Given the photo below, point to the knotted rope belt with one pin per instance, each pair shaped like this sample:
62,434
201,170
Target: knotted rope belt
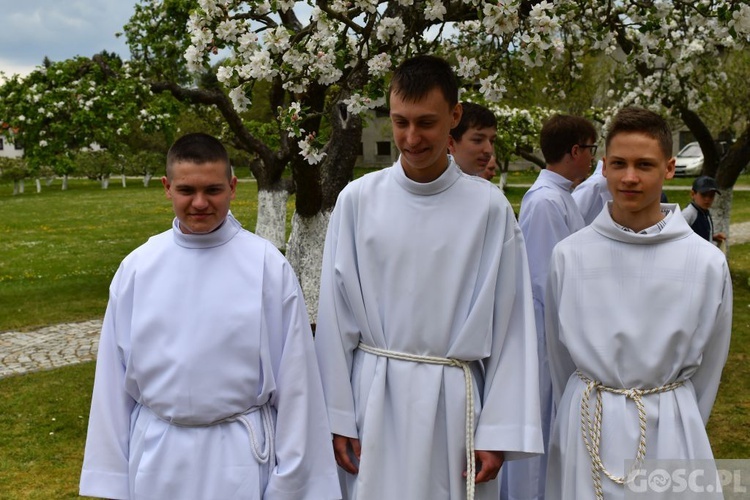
591,428
262,456
468,381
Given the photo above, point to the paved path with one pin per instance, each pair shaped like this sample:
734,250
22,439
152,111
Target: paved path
69,343
49,347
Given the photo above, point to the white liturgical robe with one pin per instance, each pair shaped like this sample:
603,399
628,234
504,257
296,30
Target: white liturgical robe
592,194
207,385
634,311
548,215
435,269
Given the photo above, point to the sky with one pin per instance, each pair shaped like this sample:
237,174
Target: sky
59,29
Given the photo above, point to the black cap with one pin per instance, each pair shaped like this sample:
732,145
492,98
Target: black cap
705,184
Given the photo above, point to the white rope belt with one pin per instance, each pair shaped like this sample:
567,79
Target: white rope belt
262,456
468,381
591,428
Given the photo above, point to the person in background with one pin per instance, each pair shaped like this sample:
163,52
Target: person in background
592,194
549,214
207,384
638,315
425,333
490,171
472,141
697,213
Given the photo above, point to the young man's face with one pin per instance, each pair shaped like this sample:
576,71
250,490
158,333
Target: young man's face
703,200
421,130
635,168
474,149
490,170
200,194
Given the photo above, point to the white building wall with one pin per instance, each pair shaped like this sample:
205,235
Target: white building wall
377,129
8,149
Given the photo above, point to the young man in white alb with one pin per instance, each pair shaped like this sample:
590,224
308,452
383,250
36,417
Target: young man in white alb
207,385
638,318
425,332
549,214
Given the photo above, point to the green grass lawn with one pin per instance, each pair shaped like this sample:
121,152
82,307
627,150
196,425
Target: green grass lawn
59,251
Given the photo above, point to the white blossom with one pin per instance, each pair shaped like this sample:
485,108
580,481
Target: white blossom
391,29
379,65
434,9
741,19
468,67
227,30
224,74
239,99
358,103
309,151
259,66
366,5
194,58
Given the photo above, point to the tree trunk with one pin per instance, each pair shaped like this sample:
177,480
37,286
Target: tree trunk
15,188
720,212
504,174
317,190
50,180
146,179
305,254
65,182
38,183
271,221
21,186
124,182
105,181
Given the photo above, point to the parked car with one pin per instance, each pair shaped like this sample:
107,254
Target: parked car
689,161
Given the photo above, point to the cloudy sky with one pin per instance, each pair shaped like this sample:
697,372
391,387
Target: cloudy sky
59,29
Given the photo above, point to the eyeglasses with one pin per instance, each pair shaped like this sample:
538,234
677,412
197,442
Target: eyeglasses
592,146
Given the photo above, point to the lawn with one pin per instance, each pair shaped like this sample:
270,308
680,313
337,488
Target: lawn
59,251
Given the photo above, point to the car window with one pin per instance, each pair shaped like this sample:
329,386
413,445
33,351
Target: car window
692,150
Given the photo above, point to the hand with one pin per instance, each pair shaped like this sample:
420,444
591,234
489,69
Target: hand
719,237
344,448
488,465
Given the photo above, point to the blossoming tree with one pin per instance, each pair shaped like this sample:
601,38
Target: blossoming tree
63,107
327,62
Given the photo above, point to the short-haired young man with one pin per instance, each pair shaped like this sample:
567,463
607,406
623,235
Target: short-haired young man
638,319
425,333
207,384
549,214
472,141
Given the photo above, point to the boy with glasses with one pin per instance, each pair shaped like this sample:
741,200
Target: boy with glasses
549,214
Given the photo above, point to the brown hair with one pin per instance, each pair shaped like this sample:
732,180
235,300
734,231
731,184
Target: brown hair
642,121
561,132
416,77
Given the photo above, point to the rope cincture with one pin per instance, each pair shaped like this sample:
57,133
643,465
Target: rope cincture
469,386
263,456
591,428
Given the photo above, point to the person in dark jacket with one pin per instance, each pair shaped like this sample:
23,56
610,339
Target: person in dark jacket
697,212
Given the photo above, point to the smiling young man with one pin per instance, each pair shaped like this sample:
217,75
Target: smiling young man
472,141
638,317
206,361
425,315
